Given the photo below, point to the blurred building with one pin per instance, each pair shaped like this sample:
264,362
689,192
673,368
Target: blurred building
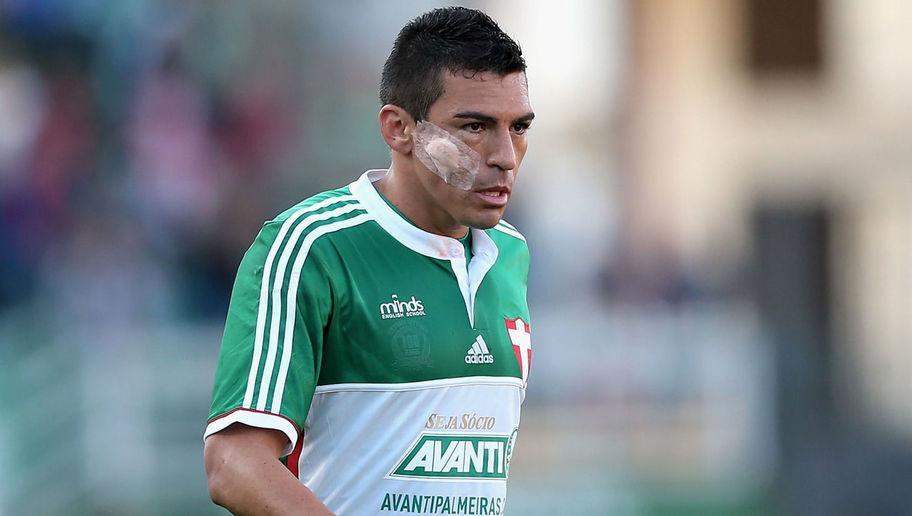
769,148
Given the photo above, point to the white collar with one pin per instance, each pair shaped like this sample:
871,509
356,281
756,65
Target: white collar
411,236
484,250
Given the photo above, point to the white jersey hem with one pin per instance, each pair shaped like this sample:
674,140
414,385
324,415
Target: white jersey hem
258,420
428,384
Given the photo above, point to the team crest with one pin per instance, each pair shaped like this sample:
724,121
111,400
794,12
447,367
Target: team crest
521,336
410,346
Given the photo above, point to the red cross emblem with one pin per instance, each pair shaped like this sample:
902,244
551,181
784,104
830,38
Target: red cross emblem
521,336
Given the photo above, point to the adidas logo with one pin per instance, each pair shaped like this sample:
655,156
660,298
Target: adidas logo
478,353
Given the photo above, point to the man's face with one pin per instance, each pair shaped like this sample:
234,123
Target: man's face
491,114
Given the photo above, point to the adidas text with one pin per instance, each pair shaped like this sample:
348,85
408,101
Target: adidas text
478,353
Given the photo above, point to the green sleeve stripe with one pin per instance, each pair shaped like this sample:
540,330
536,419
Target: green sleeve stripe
292,299
316,203
510,231
507,224
264,290
274,305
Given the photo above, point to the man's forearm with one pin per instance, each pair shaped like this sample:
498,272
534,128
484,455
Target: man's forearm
250,480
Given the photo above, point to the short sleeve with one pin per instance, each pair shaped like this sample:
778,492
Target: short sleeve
272,345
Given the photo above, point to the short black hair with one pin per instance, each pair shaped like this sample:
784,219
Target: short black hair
455,39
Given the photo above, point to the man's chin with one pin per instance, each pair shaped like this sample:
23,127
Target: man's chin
484,222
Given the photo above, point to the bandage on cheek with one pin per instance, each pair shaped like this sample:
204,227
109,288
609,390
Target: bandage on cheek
447,156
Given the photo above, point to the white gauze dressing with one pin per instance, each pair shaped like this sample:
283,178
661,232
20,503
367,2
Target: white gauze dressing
447,156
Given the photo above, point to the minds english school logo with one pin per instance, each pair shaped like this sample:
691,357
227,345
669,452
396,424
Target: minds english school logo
396,308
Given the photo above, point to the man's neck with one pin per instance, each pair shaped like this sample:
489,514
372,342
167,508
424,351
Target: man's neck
403,191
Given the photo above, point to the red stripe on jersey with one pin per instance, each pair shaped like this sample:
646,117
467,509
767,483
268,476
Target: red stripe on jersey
291,462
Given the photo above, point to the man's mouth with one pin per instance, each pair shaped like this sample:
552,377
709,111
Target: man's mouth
495,196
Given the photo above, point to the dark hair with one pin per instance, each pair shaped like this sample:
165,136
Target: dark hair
455,39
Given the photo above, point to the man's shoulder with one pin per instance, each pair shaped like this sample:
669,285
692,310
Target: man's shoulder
512,249
322,202
508,238
313,220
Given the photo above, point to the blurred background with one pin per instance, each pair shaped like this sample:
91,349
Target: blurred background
718,199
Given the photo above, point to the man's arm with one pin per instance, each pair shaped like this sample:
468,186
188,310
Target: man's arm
246,477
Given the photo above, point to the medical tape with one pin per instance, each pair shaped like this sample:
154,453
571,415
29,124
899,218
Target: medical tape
447,156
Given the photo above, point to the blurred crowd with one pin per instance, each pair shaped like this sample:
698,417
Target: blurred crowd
129,179
143,142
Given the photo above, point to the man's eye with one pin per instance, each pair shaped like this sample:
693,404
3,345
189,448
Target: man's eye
521,128
474,127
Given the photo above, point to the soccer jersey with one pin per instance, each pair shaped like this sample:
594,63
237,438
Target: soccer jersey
396,369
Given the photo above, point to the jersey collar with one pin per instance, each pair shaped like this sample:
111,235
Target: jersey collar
416,239
484,250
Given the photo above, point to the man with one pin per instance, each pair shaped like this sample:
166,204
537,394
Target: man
377,346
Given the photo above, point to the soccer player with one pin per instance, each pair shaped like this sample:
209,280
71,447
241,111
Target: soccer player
378,344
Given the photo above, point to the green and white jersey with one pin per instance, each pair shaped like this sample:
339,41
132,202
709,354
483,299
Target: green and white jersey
395,368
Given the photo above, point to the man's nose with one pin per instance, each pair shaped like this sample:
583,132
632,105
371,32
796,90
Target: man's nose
501,152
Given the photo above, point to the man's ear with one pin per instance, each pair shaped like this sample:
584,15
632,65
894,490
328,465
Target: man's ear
396,126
